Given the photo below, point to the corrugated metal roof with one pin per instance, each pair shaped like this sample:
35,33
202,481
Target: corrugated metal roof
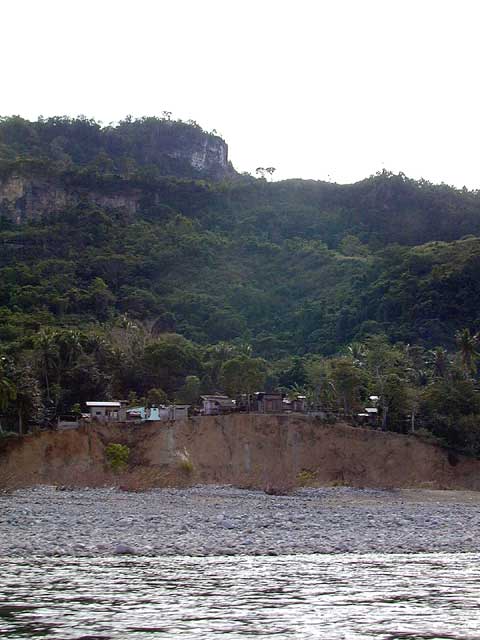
103,404
226,403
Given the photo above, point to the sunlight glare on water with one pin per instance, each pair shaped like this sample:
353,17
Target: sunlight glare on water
388,597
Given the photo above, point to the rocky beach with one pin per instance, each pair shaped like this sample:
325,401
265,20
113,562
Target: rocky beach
223,520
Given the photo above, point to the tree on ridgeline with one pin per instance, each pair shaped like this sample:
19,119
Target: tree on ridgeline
243,375
155,398
189,392
386,365
320,381
167,361
347,380
215,356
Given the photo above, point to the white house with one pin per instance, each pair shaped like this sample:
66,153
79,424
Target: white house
107,411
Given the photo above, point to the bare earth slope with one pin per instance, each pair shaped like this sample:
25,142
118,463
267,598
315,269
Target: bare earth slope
244,450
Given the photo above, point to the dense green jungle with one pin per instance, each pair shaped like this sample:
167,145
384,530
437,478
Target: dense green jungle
224,282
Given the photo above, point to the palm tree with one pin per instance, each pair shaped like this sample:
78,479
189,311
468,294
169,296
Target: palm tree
296,390
358,352
439,361
244,349
467,346
418,377
320,381
46,346
98,346
69,346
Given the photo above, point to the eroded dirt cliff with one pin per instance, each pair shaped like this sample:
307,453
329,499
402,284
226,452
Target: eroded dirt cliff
244,450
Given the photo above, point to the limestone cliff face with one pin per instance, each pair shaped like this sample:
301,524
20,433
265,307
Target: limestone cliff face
23,198
207,154
179,151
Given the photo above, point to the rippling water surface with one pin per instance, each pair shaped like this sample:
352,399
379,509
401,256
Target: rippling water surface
406,597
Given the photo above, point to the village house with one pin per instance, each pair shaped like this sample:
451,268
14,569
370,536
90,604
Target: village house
372,413
179,411
268,402
144,413
368,416
108,411
158,414
216,405
298,404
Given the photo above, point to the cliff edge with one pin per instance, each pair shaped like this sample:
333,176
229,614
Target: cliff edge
275,452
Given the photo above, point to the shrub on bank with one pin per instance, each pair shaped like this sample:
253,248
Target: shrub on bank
185,462
117,456
306,477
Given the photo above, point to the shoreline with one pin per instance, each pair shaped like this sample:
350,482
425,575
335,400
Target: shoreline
224,521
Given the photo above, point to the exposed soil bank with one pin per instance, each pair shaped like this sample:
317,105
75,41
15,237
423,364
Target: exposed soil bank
244,450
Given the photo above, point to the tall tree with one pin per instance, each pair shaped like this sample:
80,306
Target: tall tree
8,391
270,171
27,401
348,380
46,349
467,345
387,369
320,380
243,375
440,363
189,393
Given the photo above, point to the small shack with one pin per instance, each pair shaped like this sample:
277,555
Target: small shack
160,413
107,411
298,404
368,416
216,405
179,411
269,402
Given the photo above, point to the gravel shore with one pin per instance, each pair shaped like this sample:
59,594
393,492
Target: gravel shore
213,520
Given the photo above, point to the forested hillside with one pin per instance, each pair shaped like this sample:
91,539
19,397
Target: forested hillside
129,265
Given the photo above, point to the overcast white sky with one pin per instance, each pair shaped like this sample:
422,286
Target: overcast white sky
316,88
